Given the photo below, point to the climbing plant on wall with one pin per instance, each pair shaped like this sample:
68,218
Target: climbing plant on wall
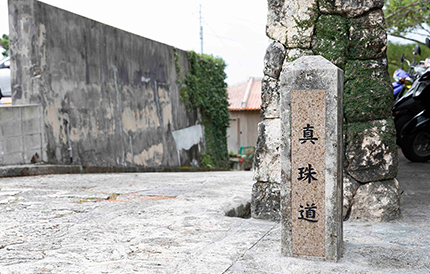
205,89
4,43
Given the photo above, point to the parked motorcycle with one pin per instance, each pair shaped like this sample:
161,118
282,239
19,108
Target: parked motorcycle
403,80
402,84
405,107
411,113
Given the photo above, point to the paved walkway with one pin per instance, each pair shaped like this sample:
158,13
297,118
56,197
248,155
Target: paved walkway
176,223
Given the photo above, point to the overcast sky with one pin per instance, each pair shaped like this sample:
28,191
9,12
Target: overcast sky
232,29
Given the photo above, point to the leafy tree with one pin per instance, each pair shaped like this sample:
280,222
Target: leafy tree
4,43
394,52
407,16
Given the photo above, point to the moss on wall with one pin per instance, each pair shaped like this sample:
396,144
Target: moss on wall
375,70
358,45
366,100
331,39
367,92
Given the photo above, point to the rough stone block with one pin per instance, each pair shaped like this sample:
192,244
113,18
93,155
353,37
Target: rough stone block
352,8
290,22
370,70
331,39
270,86
368,92
367,99
266,201
368,37
274,28
294,54
371,153
270,98
274,59
267,166
350,187
377,202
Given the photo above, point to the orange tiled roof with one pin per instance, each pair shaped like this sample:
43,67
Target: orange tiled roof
245,96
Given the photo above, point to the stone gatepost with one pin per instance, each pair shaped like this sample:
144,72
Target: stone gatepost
351,35
311,158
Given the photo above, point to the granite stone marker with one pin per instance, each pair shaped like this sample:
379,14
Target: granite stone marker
311,159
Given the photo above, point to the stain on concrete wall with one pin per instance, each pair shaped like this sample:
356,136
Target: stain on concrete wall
115,91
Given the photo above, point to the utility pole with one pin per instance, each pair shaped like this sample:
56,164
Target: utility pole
201,30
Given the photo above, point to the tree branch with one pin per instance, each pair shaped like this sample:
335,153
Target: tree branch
417,33
423,27
406,38
401,9
393,63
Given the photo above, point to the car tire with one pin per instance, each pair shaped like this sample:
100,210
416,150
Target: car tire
416,146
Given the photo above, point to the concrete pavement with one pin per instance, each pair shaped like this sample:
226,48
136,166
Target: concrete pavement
176,223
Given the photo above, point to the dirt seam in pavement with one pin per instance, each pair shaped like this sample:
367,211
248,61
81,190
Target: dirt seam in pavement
241,256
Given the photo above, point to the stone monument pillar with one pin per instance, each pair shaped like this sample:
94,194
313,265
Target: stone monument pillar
311,158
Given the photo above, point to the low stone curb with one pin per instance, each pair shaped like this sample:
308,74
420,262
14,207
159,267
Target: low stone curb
34,170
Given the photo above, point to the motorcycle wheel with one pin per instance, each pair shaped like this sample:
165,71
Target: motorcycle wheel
416,147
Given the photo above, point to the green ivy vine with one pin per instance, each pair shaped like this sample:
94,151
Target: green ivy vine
204,89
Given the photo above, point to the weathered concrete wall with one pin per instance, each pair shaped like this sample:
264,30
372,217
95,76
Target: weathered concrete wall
116,91
350,34
21,135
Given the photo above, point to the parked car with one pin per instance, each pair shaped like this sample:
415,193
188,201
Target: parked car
5,88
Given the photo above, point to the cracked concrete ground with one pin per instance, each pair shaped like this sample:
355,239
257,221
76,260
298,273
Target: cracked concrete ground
176,223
